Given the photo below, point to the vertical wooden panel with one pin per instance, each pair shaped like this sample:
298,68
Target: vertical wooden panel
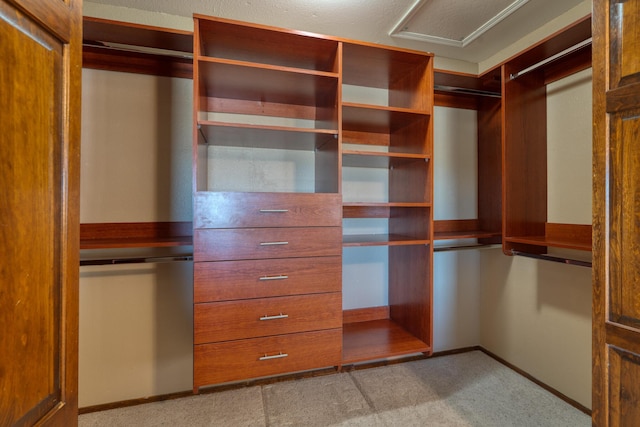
39,239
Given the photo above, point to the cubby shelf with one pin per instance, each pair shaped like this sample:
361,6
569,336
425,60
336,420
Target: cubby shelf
369,159
378,339
382,240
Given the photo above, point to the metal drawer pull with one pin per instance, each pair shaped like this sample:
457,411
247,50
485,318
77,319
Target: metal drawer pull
279,316
273,243
275,356
274,210
281,277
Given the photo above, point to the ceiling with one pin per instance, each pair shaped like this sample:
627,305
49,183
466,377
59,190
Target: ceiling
469,30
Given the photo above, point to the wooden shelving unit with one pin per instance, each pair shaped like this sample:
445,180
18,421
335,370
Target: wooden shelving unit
135,235
525,77
403,127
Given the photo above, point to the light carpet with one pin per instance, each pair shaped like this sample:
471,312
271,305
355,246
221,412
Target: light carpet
468,389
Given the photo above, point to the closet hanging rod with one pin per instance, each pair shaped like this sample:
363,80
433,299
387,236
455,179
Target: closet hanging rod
547,257
466,91
465,247
552,58
134,260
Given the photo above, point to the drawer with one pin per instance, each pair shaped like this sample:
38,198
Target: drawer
261,243
230,280
234,320
238,210
261,357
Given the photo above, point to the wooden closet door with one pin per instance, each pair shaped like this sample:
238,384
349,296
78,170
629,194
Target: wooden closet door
616,232
40,66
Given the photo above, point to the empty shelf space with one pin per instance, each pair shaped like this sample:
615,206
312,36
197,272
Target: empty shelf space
377,210
372,159
567,236
461,229
135,235
236,80
379,119
378,339
256,43
260,136
383,240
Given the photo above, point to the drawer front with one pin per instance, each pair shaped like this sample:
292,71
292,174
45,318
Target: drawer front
234,320
231,280
260,357
262,243
238,210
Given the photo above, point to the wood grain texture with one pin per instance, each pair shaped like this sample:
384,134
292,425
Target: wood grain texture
239,360
234,320
135,234
616,306
235,210
365,314
232,280
378,339
39,176
264,243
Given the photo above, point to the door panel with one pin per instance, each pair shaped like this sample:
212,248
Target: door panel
616,268
39,80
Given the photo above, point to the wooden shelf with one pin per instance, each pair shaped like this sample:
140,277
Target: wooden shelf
134,48
355,240
224,38
462,229
379,119
226,79
135,235
258,136
373,66
377,210
378,339
371,159
567,236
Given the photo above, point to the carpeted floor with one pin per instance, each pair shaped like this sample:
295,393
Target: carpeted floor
468,389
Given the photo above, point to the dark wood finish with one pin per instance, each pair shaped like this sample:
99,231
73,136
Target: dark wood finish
524,156
238,210
217,363
461,229
135,235
568,236
365,314
378,339
263,243
232,280
234,320
102,37
616,232
95,30
40,151
101,58
383,240
239,41
404,124
490,172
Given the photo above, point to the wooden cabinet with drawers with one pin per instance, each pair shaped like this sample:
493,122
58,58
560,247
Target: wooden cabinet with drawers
269,125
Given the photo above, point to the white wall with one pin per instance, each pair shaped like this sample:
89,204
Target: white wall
135,320
537,314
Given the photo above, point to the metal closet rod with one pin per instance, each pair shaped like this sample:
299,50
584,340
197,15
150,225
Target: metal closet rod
467,91
547,257
552,58
134,260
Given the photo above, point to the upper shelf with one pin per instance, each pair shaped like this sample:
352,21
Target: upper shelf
135,235
234,80
567,236
228,39
143,49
